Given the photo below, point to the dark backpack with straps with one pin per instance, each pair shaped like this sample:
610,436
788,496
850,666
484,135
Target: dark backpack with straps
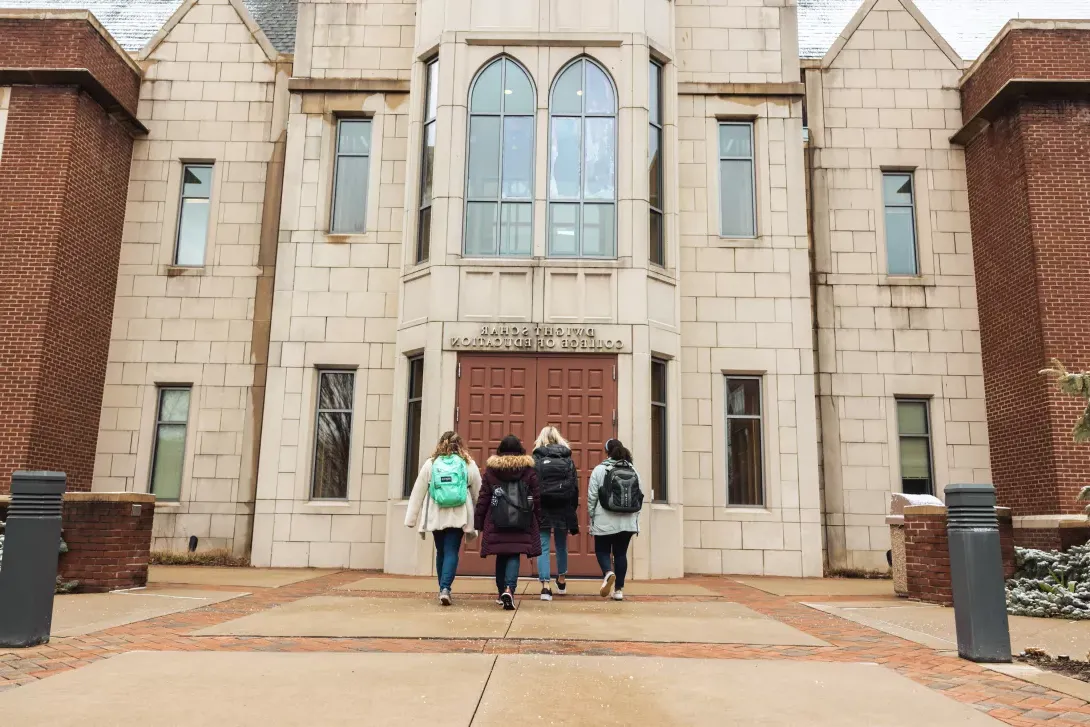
512,506
556,478
620,491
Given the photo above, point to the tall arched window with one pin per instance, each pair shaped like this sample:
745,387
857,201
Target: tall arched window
500,176
583,163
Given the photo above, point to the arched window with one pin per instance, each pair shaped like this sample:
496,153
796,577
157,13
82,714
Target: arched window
583,163
500,176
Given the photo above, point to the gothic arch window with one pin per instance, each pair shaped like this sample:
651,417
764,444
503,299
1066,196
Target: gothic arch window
500,162
583,162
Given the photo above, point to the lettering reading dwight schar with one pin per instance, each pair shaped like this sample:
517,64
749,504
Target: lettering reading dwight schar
509,337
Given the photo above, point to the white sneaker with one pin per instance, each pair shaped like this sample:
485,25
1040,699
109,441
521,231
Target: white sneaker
607,584
546,592
618,595
561,588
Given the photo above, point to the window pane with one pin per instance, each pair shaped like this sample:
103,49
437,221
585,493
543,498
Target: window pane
487,93
166,477
516,228
416,378
736,197
174,405
564,229
744,397
518,94
484,157
599,91
354,137
600,155
654,81
900,241
192,232
567,93
658,452
432,106
518,157
427,172
564,152
912,417
897,188
350,196
658,382
658,244
654,167
598,230
915,458
744,462
331,455
423,248
412,447
335,391
481,228
735,140
196,181
915,486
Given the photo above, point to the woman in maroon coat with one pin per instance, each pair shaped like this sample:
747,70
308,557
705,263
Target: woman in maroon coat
510,465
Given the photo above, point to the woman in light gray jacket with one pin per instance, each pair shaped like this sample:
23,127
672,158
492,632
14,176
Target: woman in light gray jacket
612,531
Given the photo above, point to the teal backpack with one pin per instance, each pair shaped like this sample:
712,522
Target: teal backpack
448,486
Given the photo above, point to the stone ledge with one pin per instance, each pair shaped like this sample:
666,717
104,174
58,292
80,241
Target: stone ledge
348,85
741,89
133,497
924,510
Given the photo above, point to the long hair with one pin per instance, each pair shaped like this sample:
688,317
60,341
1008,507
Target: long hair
510,445
450,443
618,451
550,435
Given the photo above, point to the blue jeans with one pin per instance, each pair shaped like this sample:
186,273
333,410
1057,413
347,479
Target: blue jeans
560,536
447,544
507,571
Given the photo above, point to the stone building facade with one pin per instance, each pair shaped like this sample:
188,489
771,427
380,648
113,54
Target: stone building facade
735,235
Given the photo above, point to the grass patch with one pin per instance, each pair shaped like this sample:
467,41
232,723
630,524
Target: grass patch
876,575
219,557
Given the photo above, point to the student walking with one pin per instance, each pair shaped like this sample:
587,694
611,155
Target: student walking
508,514
442,502
614,501
558,481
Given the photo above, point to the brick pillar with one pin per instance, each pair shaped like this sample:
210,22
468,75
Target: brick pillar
109,539
927,555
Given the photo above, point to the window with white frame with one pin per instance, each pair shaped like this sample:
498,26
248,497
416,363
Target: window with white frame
168,451
582,163
332,435
427,160
500,169
655,192
737,180
914,433
194,215
350,173
900,216
745,456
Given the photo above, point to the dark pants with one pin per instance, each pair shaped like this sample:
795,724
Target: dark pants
617,545
447,544
507,571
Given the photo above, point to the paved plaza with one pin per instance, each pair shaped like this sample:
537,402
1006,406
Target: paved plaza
328,647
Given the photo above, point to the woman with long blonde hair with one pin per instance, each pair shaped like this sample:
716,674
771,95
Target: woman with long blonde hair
558,481
445,493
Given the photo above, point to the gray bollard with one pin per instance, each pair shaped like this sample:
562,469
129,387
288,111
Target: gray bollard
976,574
28,574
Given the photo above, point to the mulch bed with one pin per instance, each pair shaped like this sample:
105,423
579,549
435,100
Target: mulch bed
1062,665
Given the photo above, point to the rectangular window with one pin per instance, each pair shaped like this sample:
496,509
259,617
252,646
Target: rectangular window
659,441
657,251
350,173
412,429
427,161
745,466
914,431
168,454
737,184
194,215
900,218
332,435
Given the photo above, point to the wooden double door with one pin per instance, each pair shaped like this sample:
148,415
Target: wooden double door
520,394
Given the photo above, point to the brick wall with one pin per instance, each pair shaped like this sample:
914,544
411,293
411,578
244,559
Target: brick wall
63,179
1051,538
109,540
1029,195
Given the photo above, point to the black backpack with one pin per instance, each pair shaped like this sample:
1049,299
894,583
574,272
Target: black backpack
555,477
620,491
512,506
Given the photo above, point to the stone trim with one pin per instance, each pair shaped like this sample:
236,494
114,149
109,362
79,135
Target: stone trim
741,89
348,85
75,77
553,39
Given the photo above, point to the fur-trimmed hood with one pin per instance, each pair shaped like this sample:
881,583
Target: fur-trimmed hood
509,462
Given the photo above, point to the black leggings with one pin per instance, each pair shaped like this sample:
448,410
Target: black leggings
617,544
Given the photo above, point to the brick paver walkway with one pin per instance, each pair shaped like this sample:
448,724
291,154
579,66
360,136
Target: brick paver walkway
1008,699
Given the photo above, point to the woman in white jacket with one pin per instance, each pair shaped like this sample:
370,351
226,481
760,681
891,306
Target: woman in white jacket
443,505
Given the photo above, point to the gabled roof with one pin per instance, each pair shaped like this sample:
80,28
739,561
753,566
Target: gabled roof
133,23
967,25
